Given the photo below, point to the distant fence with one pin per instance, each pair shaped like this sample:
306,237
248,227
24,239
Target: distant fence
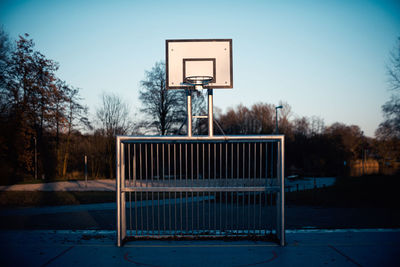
200,186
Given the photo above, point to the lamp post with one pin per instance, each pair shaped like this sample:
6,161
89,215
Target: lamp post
276,118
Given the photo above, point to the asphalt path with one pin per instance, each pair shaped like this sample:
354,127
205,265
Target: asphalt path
103,216
78,185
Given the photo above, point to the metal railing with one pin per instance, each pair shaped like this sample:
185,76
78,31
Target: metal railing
175,186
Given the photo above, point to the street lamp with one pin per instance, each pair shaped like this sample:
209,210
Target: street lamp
276,118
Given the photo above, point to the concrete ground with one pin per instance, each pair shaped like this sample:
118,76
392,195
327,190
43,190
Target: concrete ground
97,248
81,185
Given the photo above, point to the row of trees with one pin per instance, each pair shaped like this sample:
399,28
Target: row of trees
39,112
312,148
46,131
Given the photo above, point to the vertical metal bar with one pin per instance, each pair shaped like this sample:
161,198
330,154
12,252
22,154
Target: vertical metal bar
158,165
186,181
249,164
151,164
141,213
210,113
237,161
152,193
220,193
272,160
136,214
186,164
220,162
259,211
254,193
278,200
152,214
169,180
282,192
209,163
123,194
180,194
244,161
158,193
147,213
198,184
186,212
130,184
227,184
255,161
175,217
244,212
145,164
191,166
175,164
254,212
129,164
237,193
215,163
259,193
271,179
140,165
147,183
189,112
208,182
134,164
261,156
118,185
163,182
215,194
248,211
130,212
204,176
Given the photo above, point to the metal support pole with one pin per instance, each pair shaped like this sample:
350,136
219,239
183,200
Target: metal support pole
210,113
282,192
189,112
123,197
118,185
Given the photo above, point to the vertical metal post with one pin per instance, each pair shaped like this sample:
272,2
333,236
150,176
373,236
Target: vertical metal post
210,113
118,185
123,194
281,194
189,112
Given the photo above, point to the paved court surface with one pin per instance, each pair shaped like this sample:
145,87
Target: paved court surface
97,248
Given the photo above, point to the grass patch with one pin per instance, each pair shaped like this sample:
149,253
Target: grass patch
365,191
45,198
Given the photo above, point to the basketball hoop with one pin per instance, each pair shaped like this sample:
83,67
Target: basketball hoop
198,81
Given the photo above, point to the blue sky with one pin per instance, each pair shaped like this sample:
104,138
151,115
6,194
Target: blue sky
325,58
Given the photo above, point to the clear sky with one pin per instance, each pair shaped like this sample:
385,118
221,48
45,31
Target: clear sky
325,58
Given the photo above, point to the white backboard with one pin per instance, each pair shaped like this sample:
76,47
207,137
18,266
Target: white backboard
199,57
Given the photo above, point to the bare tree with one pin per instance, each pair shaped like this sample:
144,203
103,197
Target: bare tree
317,125
76,115
301,126
113,116
390,128
165,108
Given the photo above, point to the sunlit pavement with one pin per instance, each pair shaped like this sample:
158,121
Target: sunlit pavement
97,248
